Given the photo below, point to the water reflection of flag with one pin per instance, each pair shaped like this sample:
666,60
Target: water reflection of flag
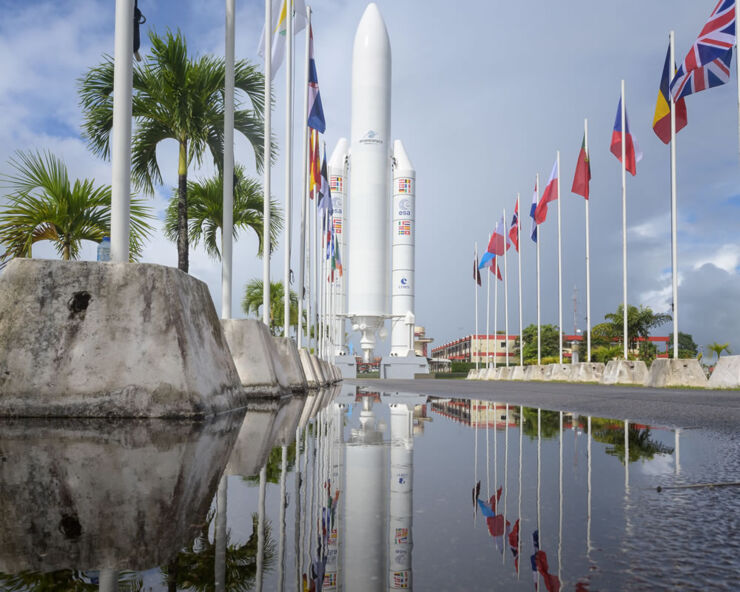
540,565
514,544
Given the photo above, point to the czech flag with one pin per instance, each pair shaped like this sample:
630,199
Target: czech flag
550,194
631,148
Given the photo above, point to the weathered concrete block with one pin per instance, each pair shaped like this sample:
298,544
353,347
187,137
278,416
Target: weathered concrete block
587,372
318,371
534,372
559,371
290,360
255,439
470,375
255,356
670,372
489,373
90,493
518,373
726,373
505,372
90,339
312,379
625,372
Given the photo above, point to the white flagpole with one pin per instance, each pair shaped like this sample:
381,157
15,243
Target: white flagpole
588,258
488,315
560,513
539,240
624,227
560,271
228,173
267,163
304,199
288,164
495,313
475,287
519,242
588,493
506,290
674,218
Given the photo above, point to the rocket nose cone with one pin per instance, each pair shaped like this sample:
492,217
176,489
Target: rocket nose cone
371,31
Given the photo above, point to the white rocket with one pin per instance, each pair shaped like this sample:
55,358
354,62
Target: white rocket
368,220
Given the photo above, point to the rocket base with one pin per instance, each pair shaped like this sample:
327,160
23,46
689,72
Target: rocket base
403,367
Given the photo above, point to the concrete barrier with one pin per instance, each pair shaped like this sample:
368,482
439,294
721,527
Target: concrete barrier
726,373
256,357
319,370
534,372
505,373
518,373
290,359
587,372
559,372
90,339
312,379
669,372
625,372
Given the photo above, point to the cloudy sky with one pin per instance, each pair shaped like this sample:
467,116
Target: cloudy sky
484,94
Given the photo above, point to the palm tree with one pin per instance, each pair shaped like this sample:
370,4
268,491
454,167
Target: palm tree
45,205
252,304
175,98
205,212
640,321
718,348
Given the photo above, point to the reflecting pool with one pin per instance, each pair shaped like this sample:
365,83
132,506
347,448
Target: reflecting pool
367,491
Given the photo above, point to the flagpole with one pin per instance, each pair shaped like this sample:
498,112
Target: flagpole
495,313
674,218
267,162
228,173
539,240
519,244
588,256
304,197
506,291
560,271
588,512
624,224
288,164
475,287
519,513
488,311
560,498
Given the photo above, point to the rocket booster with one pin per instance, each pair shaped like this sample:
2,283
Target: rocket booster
367,292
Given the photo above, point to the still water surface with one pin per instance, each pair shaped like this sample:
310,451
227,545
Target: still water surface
383,491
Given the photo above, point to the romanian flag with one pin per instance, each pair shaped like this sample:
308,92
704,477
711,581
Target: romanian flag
631,149
662,119
583,171
314,166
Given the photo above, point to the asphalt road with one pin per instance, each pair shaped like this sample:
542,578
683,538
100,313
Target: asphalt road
685,408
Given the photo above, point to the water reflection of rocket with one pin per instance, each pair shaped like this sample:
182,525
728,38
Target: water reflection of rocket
400,543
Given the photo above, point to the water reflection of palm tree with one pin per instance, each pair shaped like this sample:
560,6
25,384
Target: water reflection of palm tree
640,444
193,568
64,580
549,423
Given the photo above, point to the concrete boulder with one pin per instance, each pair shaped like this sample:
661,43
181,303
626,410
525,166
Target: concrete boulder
256,357
625,372
587,372
666,372
91,339
726,373
291,361
559,372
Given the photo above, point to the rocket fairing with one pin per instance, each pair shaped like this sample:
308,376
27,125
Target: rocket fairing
367,287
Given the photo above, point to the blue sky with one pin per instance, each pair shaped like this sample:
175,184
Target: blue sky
484,93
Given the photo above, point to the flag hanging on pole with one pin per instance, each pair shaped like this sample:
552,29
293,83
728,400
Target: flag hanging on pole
582,176
489,261
279,29
325,191
631,149
476,273
497,244
662,118
708,62
315,109
550,194
532,211
315,167
514,228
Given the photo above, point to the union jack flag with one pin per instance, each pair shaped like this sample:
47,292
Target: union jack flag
708,62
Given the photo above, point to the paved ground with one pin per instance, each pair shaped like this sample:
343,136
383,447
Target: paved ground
684,408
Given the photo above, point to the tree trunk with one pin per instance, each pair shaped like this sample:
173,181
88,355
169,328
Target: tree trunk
182,208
